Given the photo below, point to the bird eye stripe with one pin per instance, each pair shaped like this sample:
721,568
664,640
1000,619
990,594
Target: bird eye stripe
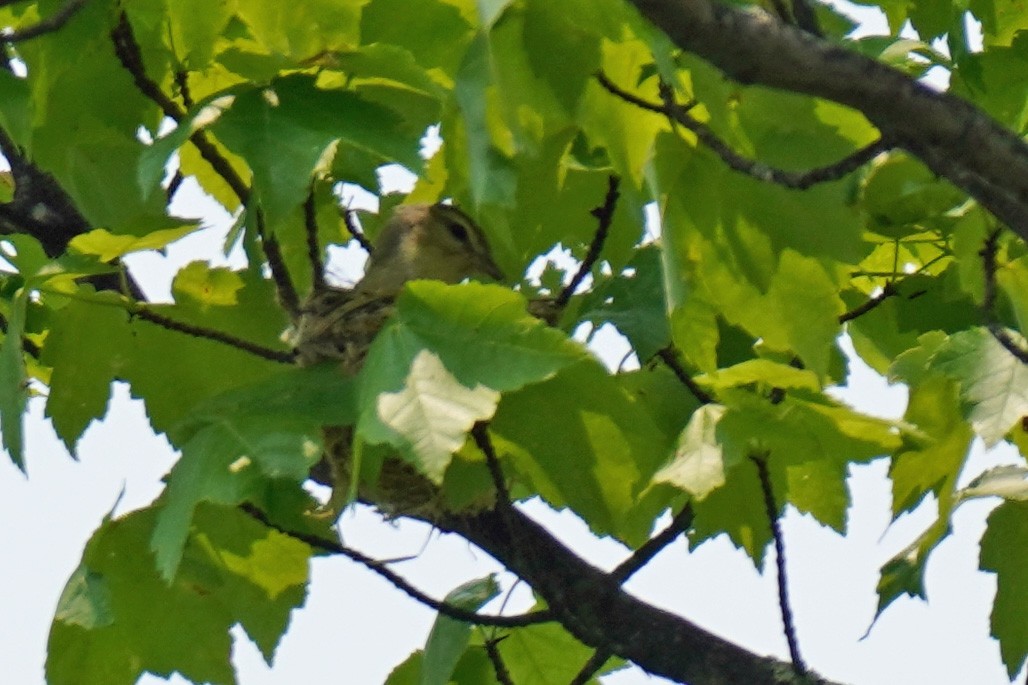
457,231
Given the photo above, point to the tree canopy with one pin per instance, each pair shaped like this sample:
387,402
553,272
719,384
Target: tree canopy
806,184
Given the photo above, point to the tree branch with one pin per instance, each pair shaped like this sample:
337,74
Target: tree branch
357,233
397,581
988,255
496,659
129,54
594,608
953,138
604,215
771,508
888,290
52,23
642,556
670,358
170,324
797,180
591,667
310,220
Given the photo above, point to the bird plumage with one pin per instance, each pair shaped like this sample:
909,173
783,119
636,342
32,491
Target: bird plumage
438,242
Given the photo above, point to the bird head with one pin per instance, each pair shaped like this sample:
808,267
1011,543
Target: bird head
438,242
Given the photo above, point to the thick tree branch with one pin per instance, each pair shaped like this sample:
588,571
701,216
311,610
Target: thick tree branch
953,138
593,606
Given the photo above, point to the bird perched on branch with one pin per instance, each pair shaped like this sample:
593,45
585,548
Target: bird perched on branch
438,242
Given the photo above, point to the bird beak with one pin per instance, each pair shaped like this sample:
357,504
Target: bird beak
489,268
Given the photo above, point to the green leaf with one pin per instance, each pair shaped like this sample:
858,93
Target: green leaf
118,618
108,246
434,412
546,655
698,464
304,31
1006,536
993,383
807,442
236,445
805,301
87,349
1008,481
86,601
582,441
634,303
904,573
465,328
407,673
172,371
285,131
449,638
434,32
13,381
931,459
900,191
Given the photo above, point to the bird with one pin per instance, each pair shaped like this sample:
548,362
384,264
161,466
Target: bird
419,241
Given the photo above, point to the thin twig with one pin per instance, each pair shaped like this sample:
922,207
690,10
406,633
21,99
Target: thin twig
649,549
182,81
771,508
888,291
170,324
796,180
480,432
496,659
127,50
52,23
988,255
357,233
287,294
591,667
174,184
604,215
27,346
670,358
806,18
129,54
310,219
398,582
1008,343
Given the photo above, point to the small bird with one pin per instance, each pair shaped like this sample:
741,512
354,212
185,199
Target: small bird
438,242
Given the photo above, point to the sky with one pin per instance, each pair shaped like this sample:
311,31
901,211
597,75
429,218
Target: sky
355,627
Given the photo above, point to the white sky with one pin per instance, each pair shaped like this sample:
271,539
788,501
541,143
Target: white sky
356,628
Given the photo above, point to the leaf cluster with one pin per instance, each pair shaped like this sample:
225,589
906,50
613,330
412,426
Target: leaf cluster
730,234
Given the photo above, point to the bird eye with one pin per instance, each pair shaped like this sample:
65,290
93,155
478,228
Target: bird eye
457,231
